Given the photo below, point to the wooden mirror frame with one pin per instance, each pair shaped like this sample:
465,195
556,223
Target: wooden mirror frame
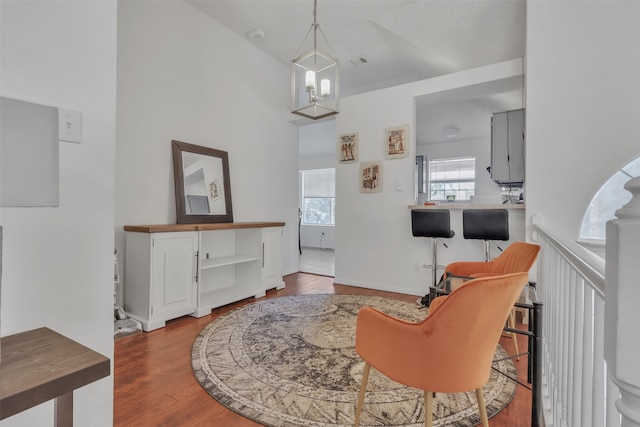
177,148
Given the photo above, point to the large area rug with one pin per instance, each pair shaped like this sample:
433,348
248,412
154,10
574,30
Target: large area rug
291,361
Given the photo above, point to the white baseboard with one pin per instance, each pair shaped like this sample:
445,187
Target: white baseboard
379,287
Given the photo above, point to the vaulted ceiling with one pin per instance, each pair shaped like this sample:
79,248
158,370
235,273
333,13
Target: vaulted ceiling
402,41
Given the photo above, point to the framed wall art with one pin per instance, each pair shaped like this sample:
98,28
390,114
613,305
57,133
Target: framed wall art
396,142
348,148
215,191
371,177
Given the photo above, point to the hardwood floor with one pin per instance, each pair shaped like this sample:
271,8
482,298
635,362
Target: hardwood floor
154,383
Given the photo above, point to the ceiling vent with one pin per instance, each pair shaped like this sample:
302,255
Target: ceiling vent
359,60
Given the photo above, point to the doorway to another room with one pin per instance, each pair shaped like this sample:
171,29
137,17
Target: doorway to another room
317,261
317,222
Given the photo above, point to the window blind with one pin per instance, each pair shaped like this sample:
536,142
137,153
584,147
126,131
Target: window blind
319,183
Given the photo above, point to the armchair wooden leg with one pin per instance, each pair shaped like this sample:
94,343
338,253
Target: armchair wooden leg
512,325
428,408
363,389
482,408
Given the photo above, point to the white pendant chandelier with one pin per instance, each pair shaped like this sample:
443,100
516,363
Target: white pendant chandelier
314,77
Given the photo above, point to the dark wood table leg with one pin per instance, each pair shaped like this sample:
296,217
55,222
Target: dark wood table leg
63,410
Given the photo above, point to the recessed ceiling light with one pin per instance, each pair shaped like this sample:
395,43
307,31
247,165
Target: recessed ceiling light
450,131
256,34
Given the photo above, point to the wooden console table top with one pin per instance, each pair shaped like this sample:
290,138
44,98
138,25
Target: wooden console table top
164,228
40,365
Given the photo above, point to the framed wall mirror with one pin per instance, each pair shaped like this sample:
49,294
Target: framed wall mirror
202,185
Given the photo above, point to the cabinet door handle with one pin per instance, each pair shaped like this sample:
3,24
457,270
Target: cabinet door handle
197,268
263,255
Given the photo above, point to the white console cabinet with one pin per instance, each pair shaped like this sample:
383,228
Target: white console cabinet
173,270
272,258
160,276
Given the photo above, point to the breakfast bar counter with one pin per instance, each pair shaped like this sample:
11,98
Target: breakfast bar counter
460,206
458,248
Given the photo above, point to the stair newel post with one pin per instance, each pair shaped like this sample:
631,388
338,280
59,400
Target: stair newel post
622,305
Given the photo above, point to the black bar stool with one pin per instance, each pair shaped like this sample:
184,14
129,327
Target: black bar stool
434,223
487,225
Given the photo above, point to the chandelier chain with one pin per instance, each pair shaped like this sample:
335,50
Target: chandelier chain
315,8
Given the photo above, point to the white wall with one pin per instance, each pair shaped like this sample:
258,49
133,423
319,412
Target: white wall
183,76
318,139
583,103
326,161
58,262
311,136
318,236
374,245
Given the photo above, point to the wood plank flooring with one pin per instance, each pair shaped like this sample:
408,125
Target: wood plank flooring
154,383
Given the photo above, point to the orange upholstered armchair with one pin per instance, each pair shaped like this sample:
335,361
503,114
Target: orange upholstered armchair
518,257
458,338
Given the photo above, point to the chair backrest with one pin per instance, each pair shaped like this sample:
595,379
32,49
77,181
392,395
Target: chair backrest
464,331
485,224
518,257
431,223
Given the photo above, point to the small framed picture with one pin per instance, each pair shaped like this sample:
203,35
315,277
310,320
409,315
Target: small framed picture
396,142
214,190
371,177
348,148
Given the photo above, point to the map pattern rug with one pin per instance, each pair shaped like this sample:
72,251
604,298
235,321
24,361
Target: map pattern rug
291,361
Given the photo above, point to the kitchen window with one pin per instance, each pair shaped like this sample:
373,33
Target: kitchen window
452,179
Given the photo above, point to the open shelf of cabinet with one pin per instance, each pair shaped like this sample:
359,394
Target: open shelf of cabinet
226,260
230,267
217,294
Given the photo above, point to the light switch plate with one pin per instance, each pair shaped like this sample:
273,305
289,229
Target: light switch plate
70,125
